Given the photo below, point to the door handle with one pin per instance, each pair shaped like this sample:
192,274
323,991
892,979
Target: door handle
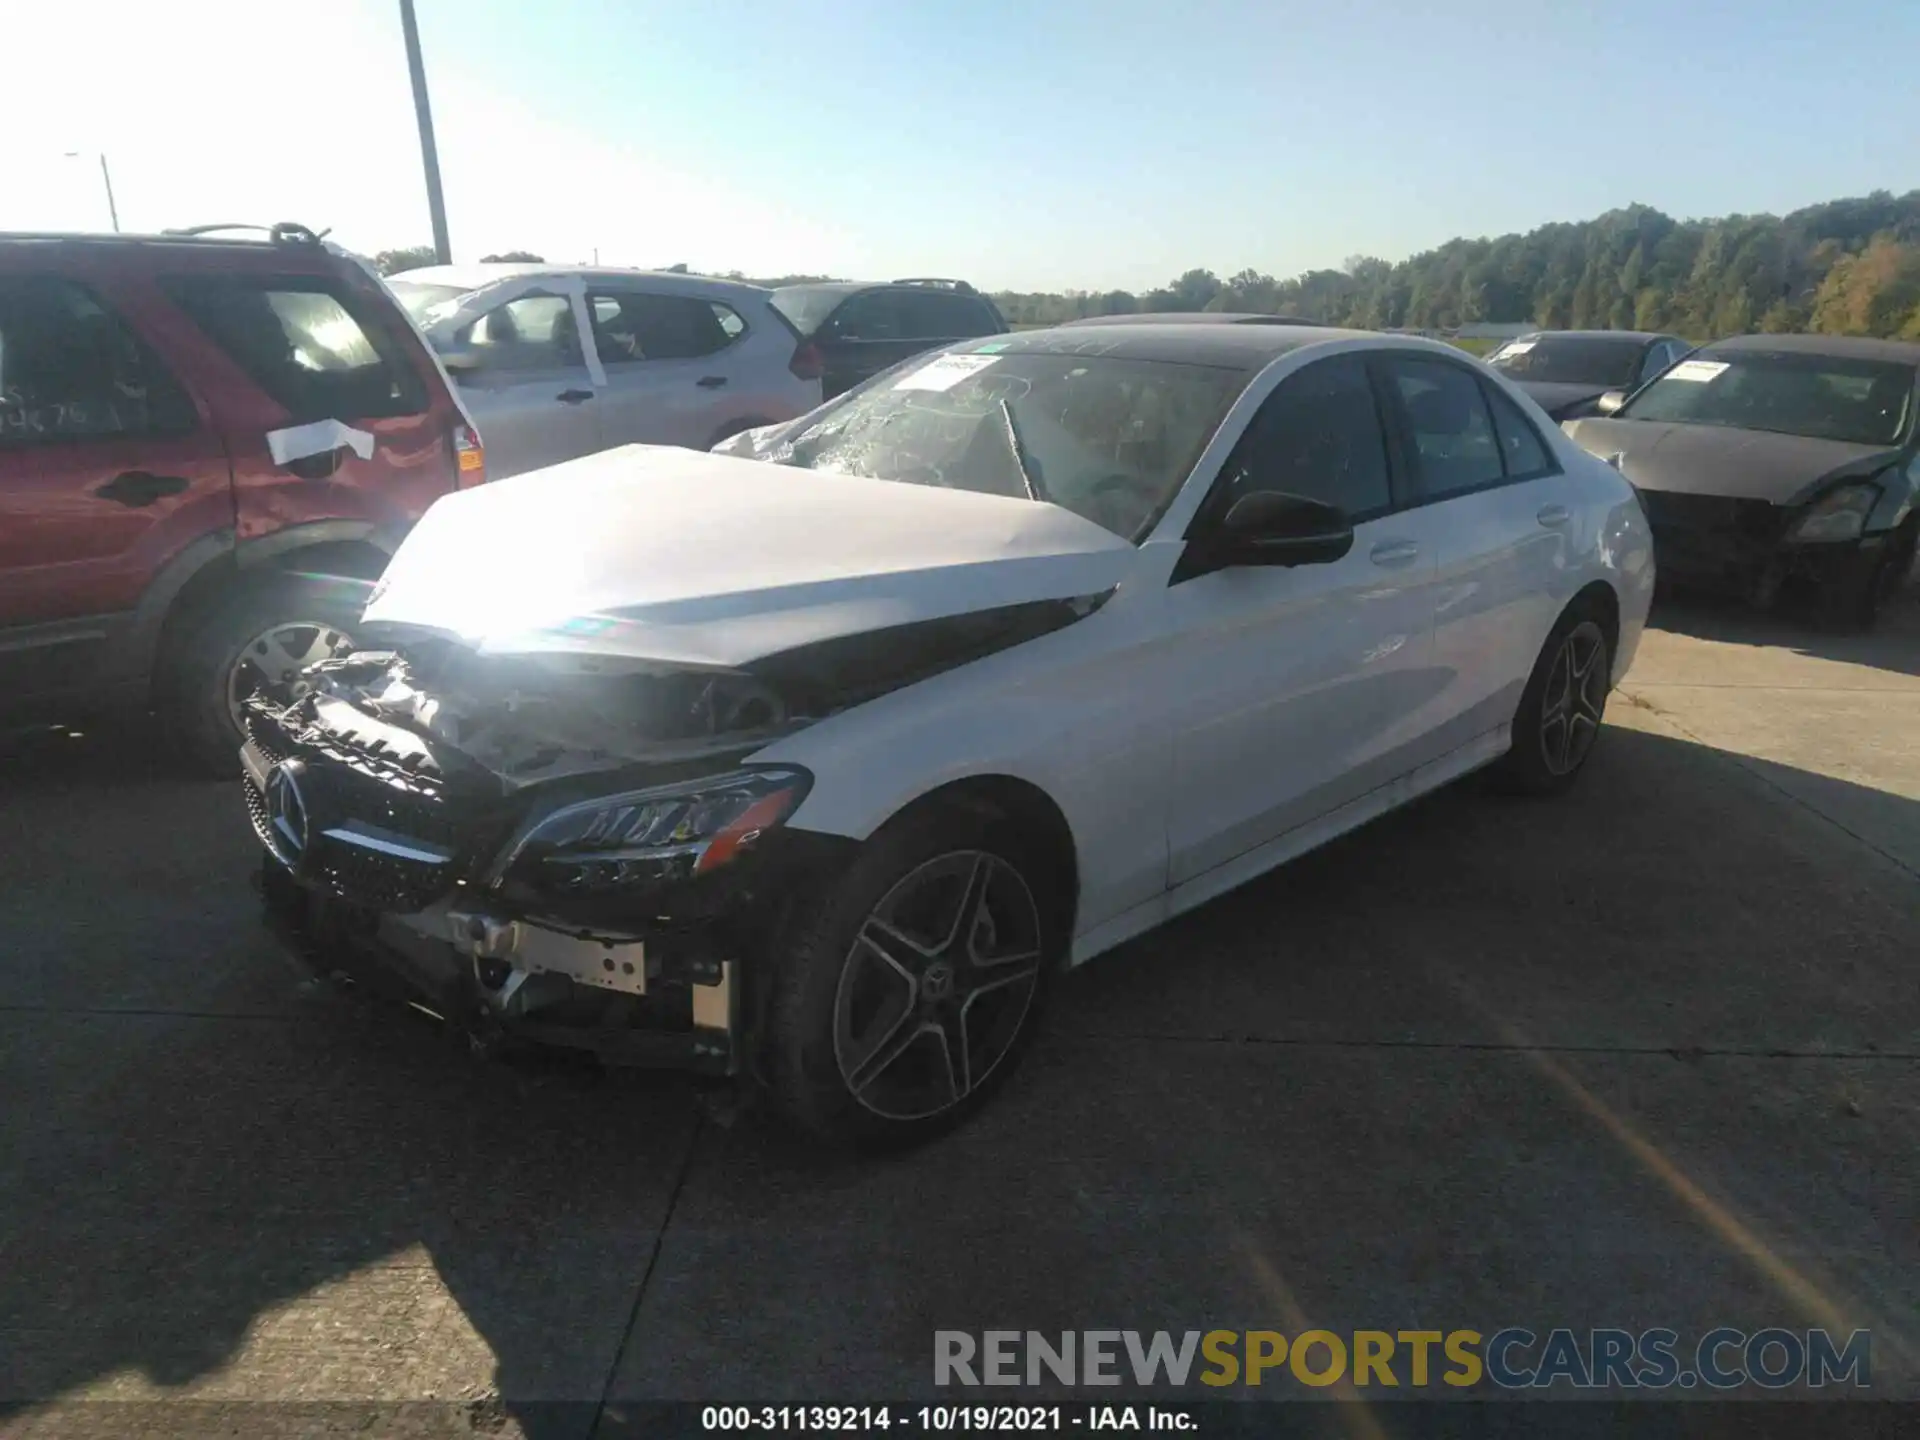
139,487
711,382
573,397
1554,516
1394,553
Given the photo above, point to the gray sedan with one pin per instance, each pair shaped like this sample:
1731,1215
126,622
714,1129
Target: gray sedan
1768,460
554,363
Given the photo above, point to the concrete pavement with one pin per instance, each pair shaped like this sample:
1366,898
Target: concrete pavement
1647,1055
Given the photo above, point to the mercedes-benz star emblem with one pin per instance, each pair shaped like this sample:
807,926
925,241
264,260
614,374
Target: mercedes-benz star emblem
287,813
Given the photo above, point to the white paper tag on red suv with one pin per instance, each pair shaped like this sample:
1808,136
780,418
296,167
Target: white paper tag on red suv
944,373
1696,370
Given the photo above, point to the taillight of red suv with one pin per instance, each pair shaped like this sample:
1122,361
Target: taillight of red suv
470,458
808,363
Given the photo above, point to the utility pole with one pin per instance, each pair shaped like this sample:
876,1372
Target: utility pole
429,154
106,178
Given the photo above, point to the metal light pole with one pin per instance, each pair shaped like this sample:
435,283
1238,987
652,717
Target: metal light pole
106,178
429,154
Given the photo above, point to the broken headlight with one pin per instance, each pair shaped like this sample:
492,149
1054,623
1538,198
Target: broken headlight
1840,514
670,832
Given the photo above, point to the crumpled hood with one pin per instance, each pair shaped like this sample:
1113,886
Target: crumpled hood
1720,460
1554,396
680,558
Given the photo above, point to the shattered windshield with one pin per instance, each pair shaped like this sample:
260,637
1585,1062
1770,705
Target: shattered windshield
1561,360
1824,397
1110,439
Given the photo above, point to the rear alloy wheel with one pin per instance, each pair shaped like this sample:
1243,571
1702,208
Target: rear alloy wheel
1560,710
910,988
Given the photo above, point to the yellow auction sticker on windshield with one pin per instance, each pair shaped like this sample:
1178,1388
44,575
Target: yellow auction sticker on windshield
944,373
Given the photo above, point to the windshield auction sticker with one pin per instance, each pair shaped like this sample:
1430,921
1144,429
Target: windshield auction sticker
1696,370
944,373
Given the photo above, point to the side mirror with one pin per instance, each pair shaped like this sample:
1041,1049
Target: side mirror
1609,402
1271,527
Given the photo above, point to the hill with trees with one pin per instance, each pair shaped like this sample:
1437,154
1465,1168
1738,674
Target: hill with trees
1847,267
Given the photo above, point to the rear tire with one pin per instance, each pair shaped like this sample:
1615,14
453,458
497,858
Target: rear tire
257,637
909,991
1560,711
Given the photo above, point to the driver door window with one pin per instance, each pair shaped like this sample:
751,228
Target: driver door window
1318,435
536,332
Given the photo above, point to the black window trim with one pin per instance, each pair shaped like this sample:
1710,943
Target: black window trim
1210,512
616,288
148,353
1416,498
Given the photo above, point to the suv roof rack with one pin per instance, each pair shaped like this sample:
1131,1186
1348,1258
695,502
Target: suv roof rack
935,282
285,233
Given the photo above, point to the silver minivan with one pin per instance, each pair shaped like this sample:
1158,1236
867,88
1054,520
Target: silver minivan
555,362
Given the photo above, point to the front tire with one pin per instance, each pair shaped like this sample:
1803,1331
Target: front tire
912,987
259,637
1560,710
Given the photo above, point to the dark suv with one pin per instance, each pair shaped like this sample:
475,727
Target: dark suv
208,448
861,328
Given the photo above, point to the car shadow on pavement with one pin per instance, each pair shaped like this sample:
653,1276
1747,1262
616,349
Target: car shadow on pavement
227,1182
1893,644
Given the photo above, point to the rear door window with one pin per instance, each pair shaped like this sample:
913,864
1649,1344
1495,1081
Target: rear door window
876,315
1522,451
630,326
933,315
306,343
71,370
1451,428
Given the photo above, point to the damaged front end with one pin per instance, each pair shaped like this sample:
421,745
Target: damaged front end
574,850
570,856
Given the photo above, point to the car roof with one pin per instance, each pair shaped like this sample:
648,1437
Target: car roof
468,278
1242,347
300,250
1189,317
1641,336
1840,347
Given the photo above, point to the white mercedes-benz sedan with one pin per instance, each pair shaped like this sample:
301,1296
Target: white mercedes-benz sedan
817,760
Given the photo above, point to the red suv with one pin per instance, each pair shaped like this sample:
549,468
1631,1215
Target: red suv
208,449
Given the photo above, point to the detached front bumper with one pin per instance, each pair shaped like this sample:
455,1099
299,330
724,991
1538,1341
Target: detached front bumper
388,886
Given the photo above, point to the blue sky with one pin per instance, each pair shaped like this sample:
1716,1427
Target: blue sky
1035,145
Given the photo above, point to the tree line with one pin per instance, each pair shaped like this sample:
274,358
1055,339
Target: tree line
1846,267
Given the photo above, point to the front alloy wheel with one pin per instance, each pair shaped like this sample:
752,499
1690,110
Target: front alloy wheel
936,984
903,993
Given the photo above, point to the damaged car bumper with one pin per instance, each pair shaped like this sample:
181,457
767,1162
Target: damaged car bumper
527,911
1747,546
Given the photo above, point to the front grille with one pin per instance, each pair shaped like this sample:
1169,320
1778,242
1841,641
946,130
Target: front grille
1719,514
363,814
1711,532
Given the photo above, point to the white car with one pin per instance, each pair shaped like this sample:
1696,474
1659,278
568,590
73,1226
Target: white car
554,363
820,766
